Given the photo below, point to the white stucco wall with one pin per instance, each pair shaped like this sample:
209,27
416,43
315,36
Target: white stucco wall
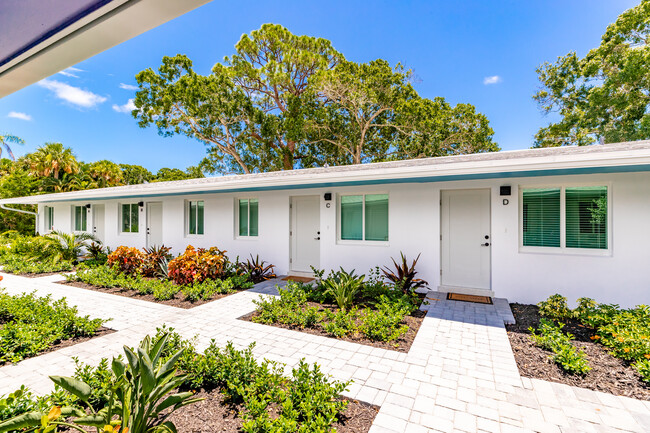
620,275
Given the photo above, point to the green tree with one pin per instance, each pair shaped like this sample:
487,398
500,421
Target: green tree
105,173
603,96
52,159
135,174
251,110
17,182
4,143
167,174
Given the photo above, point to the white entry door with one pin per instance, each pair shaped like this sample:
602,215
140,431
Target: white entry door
466,239
154,224
98,221
305,233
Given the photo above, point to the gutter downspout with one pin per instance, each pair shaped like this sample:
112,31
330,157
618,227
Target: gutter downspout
4,207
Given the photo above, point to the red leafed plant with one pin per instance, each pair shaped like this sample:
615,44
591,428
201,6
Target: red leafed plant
127,259
154,257
197,265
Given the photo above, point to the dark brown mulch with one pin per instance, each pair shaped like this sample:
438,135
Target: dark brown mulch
72,341
127,293
403,344
608,374
212,415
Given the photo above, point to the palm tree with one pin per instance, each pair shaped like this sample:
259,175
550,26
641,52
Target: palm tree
70,246
106,173
8,138
52,159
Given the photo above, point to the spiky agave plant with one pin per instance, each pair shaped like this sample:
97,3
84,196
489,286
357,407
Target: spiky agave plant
403,275
257,269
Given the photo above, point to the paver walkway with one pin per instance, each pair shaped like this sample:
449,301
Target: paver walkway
459,375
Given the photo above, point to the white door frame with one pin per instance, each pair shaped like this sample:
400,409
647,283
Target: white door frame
95,229
444,231
148,224
293,237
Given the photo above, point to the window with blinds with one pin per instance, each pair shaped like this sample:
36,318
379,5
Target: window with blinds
541,217
585,217
80,218
195,217
364,217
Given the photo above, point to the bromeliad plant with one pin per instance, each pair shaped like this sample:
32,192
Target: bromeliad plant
403,275
141,398
258,270
155,261
343,287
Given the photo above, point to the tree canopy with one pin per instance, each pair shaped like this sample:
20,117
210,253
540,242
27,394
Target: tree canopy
604,95
284,101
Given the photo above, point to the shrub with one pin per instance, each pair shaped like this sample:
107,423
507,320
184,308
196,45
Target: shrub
155,258
207,289
343,287
552,338
404,274
290,308
31,325
341,323
385,323
128,260
19,265
197,265
17,403
555,307
643,368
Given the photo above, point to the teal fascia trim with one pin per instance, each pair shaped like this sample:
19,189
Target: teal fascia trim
421,179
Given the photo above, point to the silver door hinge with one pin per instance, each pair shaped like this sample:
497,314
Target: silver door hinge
440,237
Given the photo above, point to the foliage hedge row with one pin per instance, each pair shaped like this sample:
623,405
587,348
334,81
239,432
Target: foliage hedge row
306,401
30,325
624,332
105,276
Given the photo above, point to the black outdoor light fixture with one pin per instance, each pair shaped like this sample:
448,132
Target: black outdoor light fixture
88,206
141,203
328,196
505,190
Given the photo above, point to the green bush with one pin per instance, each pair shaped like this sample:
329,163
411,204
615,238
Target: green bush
566,355
31,325
643,367
341,323
384,323
289,308
17,403
14,264
555,307
343,287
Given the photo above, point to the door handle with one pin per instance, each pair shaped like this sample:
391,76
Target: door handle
317,239
487,244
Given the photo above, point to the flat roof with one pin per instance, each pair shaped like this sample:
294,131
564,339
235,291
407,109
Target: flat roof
571,160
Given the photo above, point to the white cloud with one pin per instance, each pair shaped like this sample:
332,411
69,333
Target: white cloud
73,95
126,108
19,115
70,72
494,79
128,87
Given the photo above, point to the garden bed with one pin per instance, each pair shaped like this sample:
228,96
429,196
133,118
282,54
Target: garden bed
413,321
608,374
214,415
128,293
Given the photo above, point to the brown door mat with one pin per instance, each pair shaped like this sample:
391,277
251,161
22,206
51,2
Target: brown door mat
469,298
298,279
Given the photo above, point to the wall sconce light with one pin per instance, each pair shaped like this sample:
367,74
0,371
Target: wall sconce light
88,206
328,196
141,203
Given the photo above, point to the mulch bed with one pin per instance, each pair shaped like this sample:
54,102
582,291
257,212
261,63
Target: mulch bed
72,341
213,415
403,344
127,293
608,374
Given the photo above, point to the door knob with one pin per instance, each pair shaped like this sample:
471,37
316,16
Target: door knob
487,236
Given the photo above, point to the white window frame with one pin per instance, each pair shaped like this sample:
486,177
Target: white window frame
563,249
363,220
236,228
48,218
74,218
119,219
187,219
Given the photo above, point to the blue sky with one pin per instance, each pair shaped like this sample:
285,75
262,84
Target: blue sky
479,52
